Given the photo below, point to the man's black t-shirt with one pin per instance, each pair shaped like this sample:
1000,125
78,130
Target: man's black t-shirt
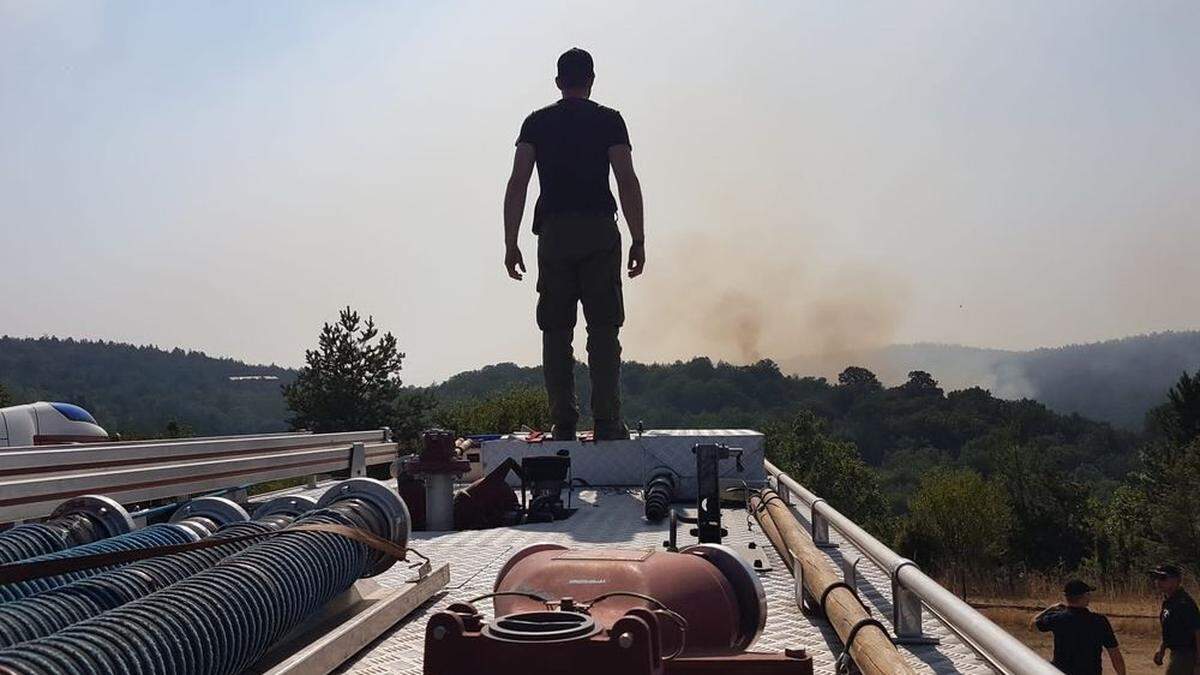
1180,620
1079,635
571,140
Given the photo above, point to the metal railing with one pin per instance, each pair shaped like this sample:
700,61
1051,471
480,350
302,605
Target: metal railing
35,479
912,589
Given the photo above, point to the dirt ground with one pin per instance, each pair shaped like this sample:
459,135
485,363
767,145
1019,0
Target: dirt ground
1138,636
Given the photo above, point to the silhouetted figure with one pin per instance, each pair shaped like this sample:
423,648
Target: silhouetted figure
1079,633
573,143
1180,621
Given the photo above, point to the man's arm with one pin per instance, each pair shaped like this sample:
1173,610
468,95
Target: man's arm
1109,640
1118,661
1043,620
514,207
629,189
1196,634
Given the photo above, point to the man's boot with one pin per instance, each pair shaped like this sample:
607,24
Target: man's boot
560,433
609,431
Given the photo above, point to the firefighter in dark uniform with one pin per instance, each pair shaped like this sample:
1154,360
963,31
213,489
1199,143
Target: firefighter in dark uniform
1080,635
573,143
1180,623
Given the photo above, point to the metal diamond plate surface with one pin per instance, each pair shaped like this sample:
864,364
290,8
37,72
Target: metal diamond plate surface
614,517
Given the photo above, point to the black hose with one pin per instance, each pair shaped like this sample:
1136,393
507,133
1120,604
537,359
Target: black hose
36,539
658,495
42,614
163,534
218,621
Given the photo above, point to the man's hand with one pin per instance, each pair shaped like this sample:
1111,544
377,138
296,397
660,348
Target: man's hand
1158,656
637,258
514,207
620,157
514,262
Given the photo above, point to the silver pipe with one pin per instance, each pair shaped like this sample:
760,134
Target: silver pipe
137,480
41,456
439,502
1002,651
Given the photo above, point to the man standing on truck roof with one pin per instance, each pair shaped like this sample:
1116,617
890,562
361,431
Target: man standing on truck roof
1079,633
1180,621
573,143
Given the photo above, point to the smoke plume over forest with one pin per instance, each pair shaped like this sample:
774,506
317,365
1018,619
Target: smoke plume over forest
745,295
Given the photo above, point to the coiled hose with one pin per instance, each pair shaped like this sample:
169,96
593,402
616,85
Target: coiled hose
163,534
218,621
31,539
658,494
47,612
77,521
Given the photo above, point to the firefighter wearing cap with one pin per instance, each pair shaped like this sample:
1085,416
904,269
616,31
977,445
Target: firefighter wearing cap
1180,623
1079,633
574,143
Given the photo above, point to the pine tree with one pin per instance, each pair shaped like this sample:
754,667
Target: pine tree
352,380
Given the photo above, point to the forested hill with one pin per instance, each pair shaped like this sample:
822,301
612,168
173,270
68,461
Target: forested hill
1116,381
1043,490
138,391
914,417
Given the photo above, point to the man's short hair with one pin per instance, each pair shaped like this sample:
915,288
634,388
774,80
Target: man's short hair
575,68
1076,587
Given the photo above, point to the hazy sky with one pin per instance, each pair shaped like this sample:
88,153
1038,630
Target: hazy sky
225,175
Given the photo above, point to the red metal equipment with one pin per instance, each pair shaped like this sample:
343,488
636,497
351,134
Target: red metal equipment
437,465
438,455
641,613
489,501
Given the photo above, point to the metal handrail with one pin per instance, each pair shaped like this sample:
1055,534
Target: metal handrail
25,458
1002,651
34,481
152,441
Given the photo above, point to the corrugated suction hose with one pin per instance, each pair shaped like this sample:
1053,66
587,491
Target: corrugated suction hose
77,521
42,614
223,619
203,517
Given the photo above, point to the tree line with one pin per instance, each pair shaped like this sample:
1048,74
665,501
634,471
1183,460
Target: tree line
137,391
964,482
1026,514
970,486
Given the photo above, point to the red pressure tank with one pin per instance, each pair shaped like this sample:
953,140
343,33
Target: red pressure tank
719,596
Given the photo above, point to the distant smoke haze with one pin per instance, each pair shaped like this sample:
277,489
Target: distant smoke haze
773,292
953,366
820,178
748,294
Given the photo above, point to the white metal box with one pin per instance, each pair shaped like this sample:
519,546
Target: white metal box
629,463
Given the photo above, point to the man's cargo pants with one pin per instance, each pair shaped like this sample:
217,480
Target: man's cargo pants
579,260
